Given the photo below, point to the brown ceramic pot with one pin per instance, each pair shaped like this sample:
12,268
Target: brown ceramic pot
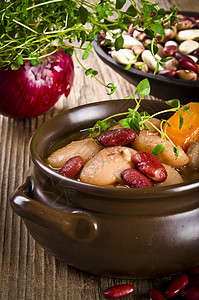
107,231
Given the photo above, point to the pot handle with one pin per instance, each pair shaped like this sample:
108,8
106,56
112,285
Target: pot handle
77,225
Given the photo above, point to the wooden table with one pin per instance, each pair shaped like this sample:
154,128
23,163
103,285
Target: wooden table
28,272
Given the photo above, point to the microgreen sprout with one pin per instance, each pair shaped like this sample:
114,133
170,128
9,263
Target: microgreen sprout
137,120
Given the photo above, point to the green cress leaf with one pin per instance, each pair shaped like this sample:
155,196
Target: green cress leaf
173,103
119,42
120,3
83,37
153,48
158,28
158,149
104,125
85,55
131,11
127,67
15,66
181,120
143,88
20,59
157,67
83,13
126,123
161,12
132,121
166,121
149,33
176,152
186,109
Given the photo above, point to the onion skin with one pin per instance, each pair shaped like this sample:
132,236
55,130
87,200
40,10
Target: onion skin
33,90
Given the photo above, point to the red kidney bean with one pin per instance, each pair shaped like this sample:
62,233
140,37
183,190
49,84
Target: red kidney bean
150,166
179,55
194,281
176,285
188,65
194,18
194,271
119,291
152,14
167,72
191,293
117,137
155,295
72,167
170,50
134,178
196,53
159,38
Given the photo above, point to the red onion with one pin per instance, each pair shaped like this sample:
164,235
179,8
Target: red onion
33,90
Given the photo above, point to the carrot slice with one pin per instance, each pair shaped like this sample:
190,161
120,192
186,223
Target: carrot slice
189,131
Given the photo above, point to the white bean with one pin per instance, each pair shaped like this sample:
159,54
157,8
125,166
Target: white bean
86,148
148,142
149,59
173,177
189,34
130,41
106,166
123,56
188,46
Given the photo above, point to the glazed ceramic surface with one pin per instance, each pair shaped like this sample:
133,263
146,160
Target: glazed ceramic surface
107,231
161,87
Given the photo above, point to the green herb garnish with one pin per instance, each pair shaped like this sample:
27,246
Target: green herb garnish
137,121
32,30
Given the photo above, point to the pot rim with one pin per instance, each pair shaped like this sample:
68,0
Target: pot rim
110,192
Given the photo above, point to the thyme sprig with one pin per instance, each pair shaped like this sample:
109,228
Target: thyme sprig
137,120
32,30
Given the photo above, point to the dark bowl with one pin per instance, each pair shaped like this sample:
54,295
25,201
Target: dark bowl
161,87
136,233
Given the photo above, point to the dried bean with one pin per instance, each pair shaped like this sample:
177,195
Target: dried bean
171,64
176,285
188,65
191,293
194,271
189,46
72,167
170,50
159,38
117,137
167,72
155,295
119,291
184,24
196,53
150,166
138,35
179,56
194,281
171,33
138,49
134,178
186,75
